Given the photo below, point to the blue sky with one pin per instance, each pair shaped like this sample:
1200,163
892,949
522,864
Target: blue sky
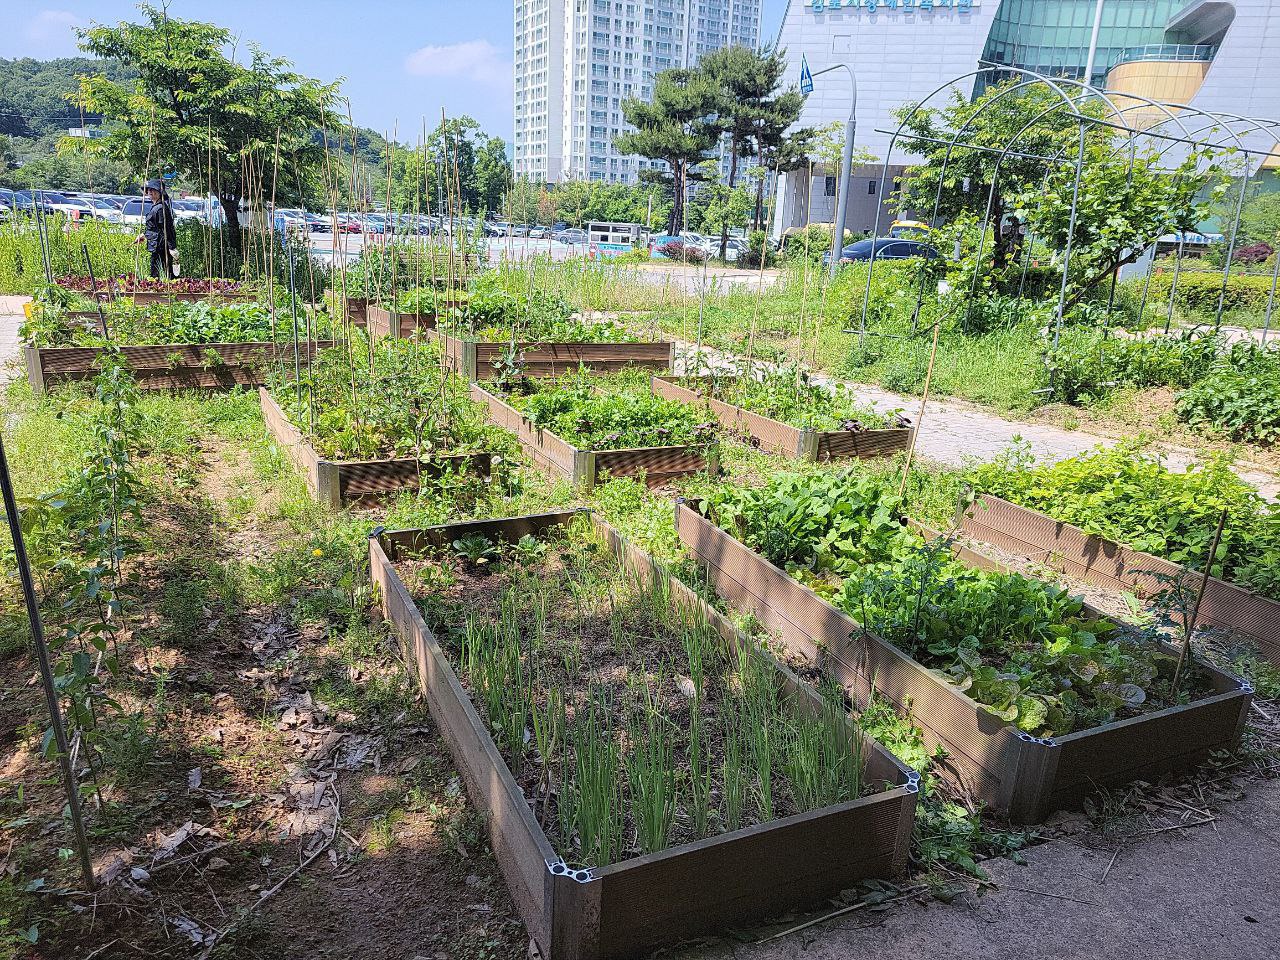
401,60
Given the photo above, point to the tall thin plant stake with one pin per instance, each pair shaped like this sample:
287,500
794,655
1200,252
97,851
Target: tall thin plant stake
924,399
102,320
46,671
1190,625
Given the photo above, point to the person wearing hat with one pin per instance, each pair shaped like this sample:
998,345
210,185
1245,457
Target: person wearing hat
158,231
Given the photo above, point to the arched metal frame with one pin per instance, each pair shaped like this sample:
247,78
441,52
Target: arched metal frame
1236,128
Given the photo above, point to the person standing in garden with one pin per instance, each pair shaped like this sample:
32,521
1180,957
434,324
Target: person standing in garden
158,231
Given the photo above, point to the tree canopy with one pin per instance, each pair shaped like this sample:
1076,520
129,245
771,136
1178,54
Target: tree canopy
195,110
679,126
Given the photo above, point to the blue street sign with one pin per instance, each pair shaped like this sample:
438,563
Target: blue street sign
806,78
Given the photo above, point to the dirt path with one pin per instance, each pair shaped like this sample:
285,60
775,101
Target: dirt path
296,801
954,431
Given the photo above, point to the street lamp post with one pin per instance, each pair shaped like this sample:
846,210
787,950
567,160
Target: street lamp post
842,203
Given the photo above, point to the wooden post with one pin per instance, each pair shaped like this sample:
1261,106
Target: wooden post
35,369
807,445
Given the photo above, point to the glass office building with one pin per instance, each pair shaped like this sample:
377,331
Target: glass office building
1053,37
1221,56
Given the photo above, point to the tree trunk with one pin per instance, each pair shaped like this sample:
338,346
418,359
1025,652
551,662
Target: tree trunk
231,216
677,199
733,176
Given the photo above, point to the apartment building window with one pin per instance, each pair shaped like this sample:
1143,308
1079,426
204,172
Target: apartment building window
829,186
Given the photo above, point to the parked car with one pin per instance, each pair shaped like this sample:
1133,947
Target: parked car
571,235
135,211
885,248
105,210
703,243
538,232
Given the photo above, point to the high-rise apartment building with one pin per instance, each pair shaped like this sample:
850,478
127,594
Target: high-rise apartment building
576,61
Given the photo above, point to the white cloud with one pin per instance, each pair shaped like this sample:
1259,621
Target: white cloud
476,60
51,28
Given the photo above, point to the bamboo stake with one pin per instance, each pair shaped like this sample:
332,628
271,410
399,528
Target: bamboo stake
924,399
271,257
1190,625
755,307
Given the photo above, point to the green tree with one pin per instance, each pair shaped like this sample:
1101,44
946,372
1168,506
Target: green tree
1260,219
752,111
717,207
989,124
1124,203
195,109
678,126
493,174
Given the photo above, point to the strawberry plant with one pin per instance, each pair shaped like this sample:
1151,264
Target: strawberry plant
1088,364
1239,398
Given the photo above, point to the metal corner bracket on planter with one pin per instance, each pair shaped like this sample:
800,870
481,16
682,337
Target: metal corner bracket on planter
1023,776
334,481
629,908
1107,564
476,359
559,458
796,442
167,366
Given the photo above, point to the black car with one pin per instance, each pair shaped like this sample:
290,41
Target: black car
886,248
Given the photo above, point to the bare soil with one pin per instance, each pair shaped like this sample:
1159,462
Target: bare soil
289,796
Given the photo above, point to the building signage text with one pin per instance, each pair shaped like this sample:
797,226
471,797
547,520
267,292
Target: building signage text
871,6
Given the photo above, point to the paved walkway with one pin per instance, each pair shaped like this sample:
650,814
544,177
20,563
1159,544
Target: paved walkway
1207,893
954,431
10,348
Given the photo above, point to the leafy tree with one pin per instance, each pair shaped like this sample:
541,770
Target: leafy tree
193,107
492,174
990,122
1124,204
1260,219
718,207
678,126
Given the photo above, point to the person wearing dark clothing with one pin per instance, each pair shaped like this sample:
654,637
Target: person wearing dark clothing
158,231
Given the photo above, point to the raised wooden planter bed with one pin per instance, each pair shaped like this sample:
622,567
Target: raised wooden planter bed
382,322
358,310
1024,776
629,908
167,366
559,458
475,359
153,296
778,437
1107,564
334,481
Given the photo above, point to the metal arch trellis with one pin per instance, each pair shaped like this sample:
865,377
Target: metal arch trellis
1116,119
1034,79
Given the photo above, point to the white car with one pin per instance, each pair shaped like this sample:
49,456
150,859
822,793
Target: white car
105,210
72,207
135,210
